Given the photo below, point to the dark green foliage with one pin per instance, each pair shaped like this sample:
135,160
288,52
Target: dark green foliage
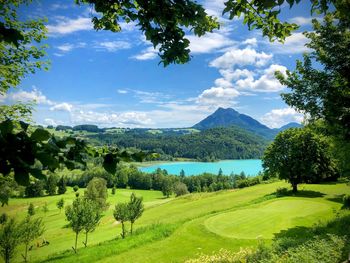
60,204
346,201
5,190
162,22
20,47
10,238
96,191
45,208
208,145
167,187
86,127
121,214
63,128
300,156
3,218
75,188
281,191
51,184
31,209
62,185
136,208
113,190
30,230
180,189
323,92
77,194
35,189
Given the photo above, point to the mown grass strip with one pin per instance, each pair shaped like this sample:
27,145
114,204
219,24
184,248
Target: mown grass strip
117,246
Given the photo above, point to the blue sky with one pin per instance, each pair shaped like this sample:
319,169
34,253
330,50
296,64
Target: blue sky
114,79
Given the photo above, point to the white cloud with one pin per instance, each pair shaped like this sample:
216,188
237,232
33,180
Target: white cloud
241,57
64,106
49,121
125,119
279,117
131,26
250,42
147,54
293,45
113,46
208,43
29,96
66,25
66,47
218,96
265,83
301,21
122,91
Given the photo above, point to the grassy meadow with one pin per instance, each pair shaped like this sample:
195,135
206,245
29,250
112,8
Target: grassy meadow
177,229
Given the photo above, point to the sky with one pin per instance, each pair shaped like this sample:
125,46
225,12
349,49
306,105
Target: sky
115,79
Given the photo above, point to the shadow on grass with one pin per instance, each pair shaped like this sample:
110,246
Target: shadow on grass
300,235
300,193
337,199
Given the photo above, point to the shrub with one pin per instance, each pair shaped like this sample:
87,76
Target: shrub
180,189
281,191
35,189
31,209
346,201
75,188
3,218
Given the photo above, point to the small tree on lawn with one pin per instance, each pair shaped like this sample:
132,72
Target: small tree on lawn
92,219
10,238
60,204
96,191
45,208
180,189
51,184
167,187
75,214
31,209
299,156
62,186
135,207
30,229
121,214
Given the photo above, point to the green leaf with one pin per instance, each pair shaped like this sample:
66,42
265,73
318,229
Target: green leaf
6,127
37,173
110,163
40,135
21,176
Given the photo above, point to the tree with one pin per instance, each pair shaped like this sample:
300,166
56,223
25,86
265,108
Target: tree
92,219
20,47
75,188
97,191
45,208
3,218
5,193
34,189
62,182
10,238
162,22
135,207
60,204
51,184
75,214
320,85
113,190
31,209
299,156
30,229
121,214
180,189
167,187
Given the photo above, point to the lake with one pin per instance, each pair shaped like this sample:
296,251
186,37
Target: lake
249,167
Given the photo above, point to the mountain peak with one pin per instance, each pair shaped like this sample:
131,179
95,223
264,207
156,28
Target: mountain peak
228,117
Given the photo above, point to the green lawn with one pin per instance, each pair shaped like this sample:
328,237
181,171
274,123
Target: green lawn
176,229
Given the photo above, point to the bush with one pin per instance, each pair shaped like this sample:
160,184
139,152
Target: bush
281,191
346,201
3,218
75,188
180,189
35,189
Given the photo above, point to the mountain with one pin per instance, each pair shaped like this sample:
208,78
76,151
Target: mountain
289,125
229,117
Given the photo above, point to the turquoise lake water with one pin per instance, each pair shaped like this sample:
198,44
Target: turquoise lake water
249,167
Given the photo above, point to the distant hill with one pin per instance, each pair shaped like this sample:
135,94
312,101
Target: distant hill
229,117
